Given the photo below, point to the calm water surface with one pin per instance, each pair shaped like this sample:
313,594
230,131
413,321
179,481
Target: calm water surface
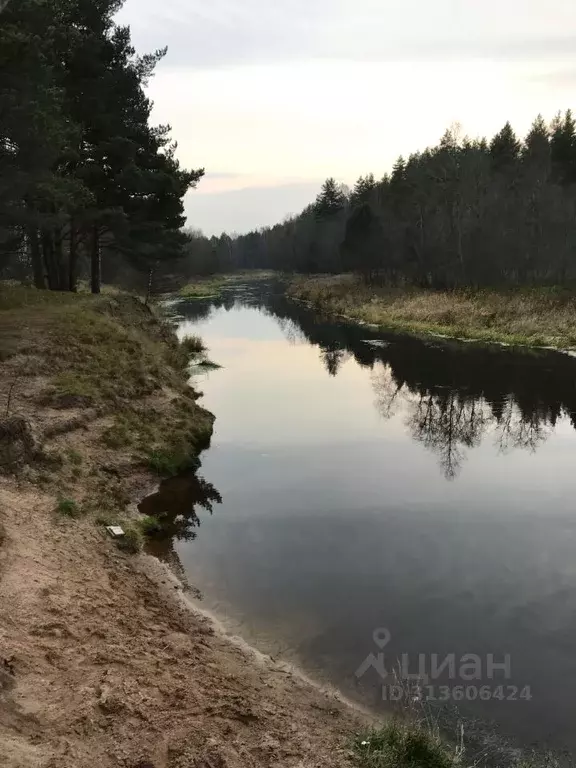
371,481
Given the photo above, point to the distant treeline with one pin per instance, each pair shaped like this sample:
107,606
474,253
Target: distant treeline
82,171
463,213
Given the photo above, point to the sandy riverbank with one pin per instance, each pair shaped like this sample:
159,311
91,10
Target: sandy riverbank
105,664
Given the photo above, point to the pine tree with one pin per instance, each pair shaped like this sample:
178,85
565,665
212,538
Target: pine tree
537,142
363,190
155,210
536,152
363,241
331,200
563,147
129,166
35,133
505,148
398,176
104,96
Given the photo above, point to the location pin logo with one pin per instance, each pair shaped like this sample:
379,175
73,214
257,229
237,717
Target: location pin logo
381,637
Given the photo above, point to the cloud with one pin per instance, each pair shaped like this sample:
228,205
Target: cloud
221,175
559,78
227,33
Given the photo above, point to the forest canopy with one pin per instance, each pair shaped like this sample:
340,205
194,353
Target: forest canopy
466,212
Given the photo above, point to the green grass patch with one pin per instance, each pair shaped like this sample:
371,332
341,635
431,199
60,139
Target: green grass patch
167,463
167,439
68,508
403,745
115,354
76,384
74,457
122,359
149,525
14,296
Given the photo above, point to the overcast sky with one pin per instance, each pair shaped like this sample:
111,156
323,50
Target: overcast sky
273,96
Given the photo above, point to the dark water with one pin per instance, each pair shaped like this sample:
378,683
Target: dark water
377,482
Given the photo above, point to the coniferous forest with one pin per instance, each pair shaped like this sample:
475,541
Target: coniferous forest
87,184
463,213
90,188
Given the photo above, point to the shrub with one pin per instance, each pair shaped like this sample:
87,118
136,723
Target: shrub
68,508
149,525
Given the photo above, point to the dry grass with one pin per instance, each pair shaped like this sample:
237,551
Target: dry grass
537,317
115,358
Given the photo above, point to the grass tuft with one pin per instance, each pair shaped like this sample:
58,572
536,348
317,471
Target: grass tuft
74,457
192,345
68,508
149,525
133,539
403,745
208,365
105,519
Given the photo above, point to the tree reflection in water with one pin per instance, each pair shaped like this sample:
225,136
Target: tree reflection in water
456,395
175,506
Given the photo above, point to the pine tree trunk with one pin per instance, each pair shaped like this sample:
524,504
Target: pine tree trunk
48,255
72,259
95,260
36,256
61,277
149,289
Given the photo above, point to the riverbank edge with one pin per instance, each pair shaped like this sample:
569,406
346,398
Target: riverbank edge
389,310
103,658
213,286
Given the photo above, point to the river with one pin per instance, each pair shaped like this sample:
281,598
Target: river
409,499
